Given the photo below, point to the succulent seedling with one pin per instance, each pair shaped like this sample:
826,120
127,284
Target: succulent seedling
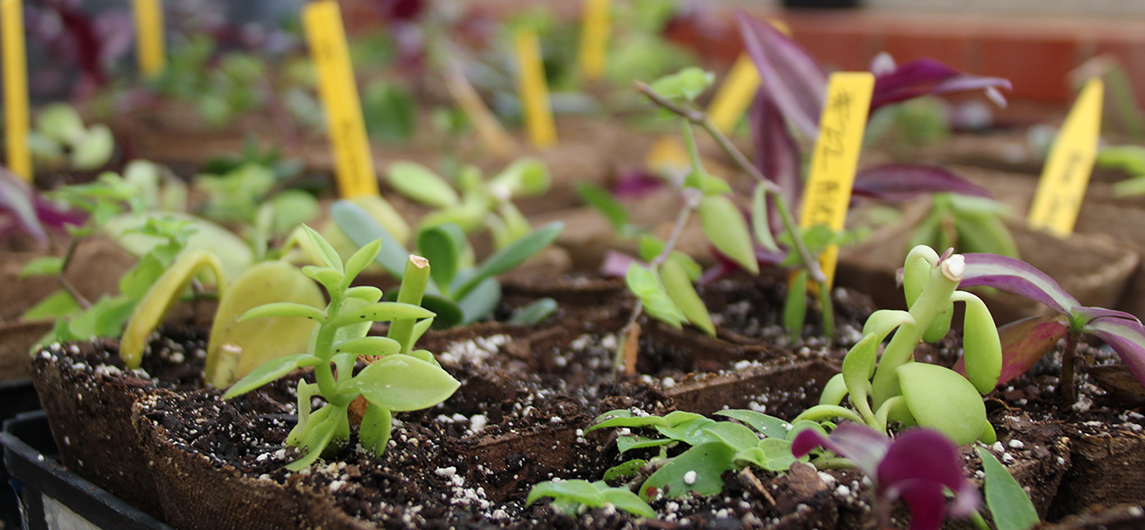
60,139
400,379
457,291
913,393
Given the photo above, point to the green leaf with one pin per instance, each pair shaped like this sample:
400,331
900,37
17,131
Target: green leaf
365,293
981,345
442,245
576,490
360,260
271,371
93,149
942,399
511,256
329,256
690,432
769,426
759,220
604,202
362,228
625,500
135,282
687,84
777,454
795,308
285,309
624,418
447,312
1008,502
422,185
379,312
374,432
419,329
379,346
858,366
727,230
525,177
403,383
707,183
737,436
534,312
481,301
58,304
644,284
696,470
630,442
46,266
329,277
679,289
628,469
650,246
60,122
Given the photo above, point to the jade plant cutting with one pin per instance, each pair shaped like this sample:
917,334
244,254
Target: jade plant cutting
399,379
895,389
458,290
1031,339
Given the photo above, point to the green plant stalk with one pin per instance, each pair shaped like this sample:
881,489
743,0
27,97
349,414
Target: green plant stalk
324,349
931,302
414,281
699,118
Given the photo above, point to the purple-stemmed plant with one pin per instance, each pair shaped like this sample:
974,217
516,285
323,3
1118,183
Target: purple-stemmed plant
1035,338
917,466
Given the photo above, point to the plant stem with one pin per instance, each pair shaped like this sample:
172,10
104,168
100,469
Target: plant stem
1066,386
67,285
699,118
412,289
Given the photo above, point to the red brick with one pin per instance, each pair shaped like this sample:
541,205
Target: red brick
1037,66
953,48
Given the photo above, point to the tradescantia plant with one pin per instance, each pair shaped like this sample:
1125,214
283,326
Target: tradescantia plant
913,393
399,379
1029,340
458,290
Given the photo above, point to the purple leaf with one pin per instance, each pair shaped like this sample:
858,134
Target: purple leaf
900,182
616,264
636,183
1024,343
794,79
915,467
1127,338
922,77
18,203
1018,277
776,153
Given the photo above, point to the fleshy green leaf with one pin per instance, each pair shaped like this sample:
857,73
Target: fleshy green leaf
403,383
628,443
981,345
696,470
624,418
795,307
625,470
511,256
644,284
269,372
285,309
374,432
679,288
422,185
759,220
379,346
360,260
769,426
442,245
525,177
727,230
93,149
625,500
576,490
687,84
362,228
380,312
329,256
605,203
858,366
735,435
534,312
481,301
941,399
46,266
1008,502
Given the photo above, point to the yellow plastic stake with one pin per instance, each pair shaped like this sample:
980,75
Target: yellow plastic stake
150,51
735,95
828,189
1066,175
15,88
488,128
353,162
533,89
595,28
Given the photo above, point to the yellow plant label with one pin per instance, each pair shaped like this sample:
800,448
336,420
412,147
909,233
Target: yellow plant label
595,27
533,89
487,126
150,51
1066,175
15,88
828,188
735,95
353,162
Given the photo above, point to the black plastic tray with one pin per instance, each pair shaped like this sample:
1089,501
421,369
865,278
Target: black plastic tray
16,396
30,456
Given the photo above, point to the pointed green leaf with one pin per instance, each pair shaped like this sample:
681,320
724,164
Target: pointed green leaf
644,284
379,346
55,305
380,312
534,312
47,266
365,293
481,301
361,259
858,366
269,372
727,230
509,257
981,345
374,432
362,228
739,437
403,383
1008,502
679,289
625,500
628,443
526,177
285,309
769,426
603,201
696,470
795,308
576,490
422,185
759,220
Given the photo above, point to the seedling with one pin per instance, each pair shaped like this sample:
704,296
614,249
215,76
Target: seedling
575,496
1031,339
1130,159
459,292
913,393
753,439
402,379
966,223
60,139
472,202
918,466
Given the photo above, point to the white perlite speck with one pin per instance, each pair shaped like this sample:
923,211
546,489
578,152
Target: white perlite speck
690,478
1017,444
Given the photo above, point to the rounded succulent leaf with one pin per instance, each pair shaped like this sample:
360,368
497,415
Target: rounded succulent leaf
941,399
